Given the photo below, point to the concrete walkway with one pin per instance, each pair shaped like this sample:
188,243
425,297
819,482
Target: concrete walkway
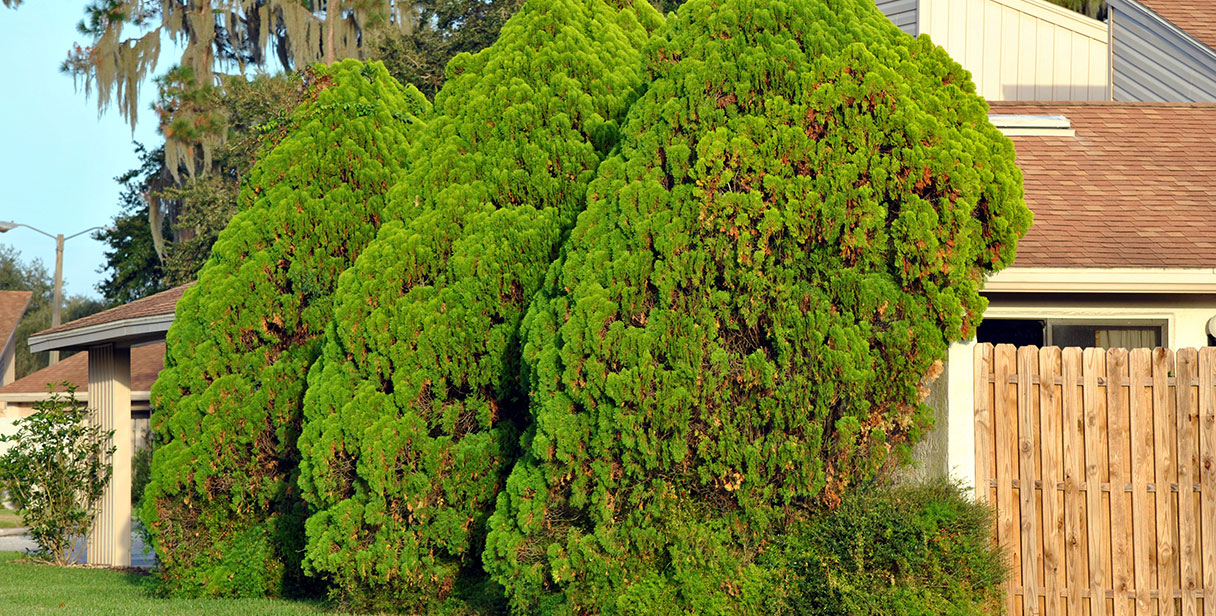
16,540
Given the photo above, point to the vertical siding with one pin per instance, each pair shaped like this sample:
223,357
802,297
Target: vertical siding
109,542
1153,61
1022,49
901,12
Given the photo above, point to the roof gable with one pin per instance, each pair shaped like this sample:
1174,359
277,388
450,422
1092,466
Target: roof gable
1195,17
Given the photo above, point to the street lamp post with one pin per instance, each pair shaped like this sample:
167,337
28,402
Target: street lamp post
57,297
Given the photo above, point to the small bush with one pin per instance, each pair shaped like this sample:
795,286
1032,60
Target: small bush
56,471
912,551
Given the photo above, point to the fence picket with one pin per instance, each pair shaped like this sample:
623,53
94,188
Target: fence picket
1207,475
1095,464
1143,528
1118,423
1004,407
984,464
1165,474
1051,467
1072,418
1190,563
1027,370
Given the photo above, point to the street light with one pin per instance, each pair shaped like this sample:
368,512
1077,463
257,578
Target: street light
57,300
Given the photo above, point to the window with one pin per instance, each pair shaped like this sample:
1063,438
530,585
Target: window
1084,333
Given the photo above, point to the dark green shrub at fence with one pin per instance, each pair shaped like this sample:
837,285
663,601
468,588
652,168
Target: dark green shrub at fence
908,551
223,507
804,206
412,410
404,473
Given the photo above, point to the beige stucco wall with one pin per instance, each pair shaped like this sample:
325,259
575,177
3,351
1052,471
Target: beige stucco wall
1022,49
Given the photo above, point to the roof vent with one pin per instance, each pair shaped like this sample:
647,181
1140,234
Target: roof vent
1033,125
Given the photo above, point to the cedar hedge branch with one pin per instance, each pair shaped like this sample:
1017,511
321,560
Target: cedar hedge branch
413,411
803,210
222,507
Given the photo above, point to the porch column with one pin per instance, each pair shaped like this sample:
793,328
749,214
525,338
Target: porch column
110,399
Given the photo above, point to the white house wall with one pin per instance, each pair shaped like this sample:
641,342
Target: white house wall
1019,49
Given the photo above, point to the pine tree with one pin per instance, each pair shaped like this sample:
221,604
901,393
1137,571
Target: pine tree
411,413
800,218
223,507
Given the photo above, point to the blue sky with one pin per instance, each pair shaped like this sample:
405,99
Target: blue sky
58,159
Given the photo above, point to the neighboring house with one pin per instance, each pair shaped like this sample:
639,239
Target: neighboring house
116,341
1015,49
1122,252
146,362
1163,50
12,307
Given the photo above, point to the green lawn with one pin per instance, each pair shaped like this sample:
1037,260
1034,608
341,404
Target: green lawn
42,589
9,518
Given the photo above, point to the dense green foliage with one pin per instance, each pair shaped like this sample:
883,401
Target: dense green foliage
55,471
906,551
222,505
411,411
804,206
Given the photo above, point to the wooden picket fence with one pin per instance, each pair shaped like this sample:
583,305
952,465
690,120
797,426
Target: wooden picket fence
1101,465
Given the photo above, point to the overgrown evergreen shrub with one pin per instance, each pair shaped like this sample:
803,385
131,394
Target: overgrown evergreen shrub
222,506
905,551
804,206
412,410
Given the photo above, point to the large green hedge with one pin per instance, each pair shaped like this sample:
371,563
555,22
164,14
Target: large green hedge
222,507
412,412
800,218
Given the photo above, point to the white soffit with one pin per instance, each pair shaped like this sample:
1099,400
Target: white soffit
1032,125
1104,280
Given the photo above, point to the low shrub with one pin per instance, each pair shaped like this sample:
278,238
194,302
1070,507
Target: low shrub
55,472
910,551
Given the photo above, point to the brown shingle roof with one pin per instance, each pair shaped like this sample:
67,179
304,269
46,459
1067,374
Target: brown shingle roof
1195,17
146,363
12,306
1136,186
162,303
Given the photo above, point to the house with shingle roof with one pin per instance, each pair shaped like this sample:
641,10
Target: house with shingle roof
1122,252
121,350
12,308
17,399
